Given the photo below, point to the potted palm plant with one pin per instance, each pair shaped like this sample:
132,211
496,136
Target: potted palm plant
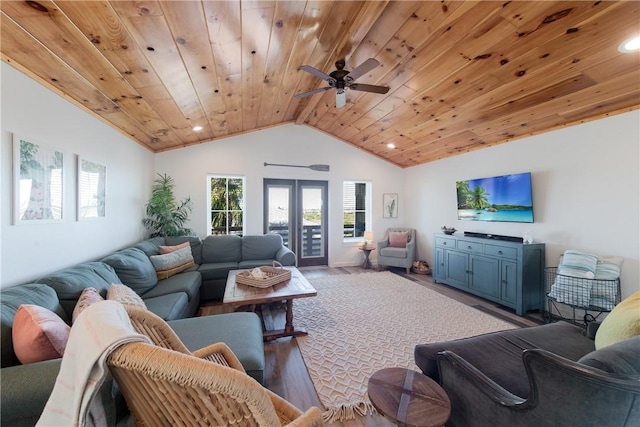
165,215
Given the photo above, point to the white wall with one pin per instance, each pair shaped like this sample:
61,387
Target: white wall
586,191
29,251
245,155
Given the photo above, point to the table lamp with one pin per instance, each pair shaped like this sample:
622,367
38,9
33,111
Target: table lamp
368,238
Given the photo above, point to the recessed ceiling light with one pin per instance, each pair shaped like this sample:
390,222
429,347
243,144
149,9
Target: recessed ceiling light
630,45
197,128
391,145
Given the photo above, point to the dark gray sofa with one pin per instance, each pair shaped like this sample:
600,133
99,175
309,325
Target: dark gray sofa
215,256
26,388
548,375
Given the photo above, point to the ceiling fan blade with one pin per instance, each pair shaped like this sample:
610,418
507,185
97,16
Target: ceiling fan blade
361,69
341,99
317,73
369,88
312,92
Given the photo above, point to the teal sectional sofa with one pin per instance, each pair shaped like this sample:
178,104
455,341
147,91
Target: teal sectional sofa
26,388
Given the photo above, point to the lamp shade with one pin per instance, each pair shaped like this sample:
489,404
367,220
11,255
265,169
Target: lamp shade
368,235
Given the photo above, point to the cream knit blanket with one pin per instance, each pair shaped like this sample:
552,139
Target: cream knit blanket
98,330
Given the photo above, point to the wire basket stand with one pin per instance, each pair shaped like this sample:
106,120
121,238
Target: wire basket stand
591,296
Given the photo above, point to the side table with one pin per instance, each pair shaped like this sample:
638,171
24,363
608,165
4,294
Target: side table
409,398
366,250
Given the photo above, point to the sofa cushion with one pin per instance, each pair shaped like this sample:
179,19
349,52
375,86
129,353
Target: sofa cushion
260,247
194,241
499,354
169,307
38,334
151,246
10,300
87,297
124,295
620,358
188,282
242,332
223,248
393,252
134,269
246,264
622,323
70,282
218,270
173,262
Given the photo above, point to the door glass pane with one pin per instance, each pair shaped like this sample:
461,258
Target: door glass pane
312,222
279,214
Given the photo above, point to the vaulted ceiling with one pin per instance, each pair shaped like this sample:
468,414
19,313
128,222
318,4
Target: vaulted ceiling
463,75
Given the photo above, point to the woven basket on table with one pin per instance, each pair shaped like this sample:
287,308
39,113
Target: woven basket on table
273,276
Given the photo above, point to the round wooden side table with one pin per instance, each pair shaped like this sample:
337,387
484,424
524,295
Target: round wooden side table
409,398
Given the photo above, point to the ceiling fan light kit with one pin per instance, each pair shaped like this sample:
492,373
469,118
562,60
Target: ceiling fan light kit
341,79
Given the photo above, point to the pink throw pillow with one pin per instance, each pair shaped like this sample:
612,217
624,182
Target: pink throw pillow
398,239
38,334
87,297
169,249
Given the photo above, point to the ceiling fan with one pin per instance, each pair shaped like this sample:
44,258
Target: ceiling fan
342,79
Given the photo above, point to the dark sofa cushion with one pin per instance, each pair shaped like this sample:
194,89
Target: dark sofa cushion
151,246
242,332
261,247
11,299
188,282
224,248
622,358
499,354
134,268
169,307
70,282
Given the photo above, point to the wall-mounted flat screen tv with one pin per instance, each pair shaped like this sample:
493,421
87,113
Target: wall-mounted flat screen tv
505,198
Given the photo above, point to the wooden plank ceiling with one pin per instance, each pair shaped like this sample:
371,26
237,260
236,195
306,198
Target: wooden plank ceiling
463,75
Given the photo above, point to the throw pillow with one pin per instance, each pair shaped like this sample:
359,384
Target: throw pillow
167,265
169,249
87,297
578,264
620,358
38,334
398,239
124,295
623,322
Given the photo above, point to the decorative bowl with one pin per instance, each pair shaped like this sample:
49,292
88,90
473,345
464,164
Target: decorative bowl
448,231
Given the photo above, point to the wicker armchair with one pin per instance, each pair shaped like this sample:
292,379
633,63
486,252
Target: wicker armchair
166,384
161,334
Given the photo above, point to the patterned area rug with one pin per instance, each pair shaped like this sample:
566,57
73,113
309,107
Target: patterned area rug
360,323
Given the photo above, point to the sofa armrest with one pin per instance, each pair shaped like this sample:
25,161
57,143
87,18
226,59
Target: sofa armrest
25,390
563,392
285,256
382,244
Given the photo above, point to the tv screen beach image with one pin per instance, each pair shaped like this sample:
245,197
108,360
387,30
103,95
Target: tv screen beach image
506,198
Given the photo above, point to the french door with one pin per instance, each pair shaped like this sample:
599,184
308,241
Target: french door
297,210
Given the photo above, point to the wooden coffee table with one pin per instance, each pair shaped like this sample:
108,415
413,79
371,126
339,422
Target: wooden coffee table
409,398
238,294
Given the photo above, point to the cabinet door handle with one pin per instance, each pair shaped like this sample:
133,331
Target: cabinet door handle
499,252
505,282
469,247
444,243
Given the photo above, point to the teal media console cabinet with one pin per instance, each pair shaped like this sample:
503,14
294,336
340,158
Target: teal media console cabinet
509,273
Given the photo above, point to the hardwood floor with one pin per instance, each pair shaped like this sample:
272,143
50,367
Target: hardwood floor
286,373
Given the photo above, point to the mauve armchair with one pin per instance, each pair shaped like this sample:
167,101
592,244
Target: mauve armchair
395,255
